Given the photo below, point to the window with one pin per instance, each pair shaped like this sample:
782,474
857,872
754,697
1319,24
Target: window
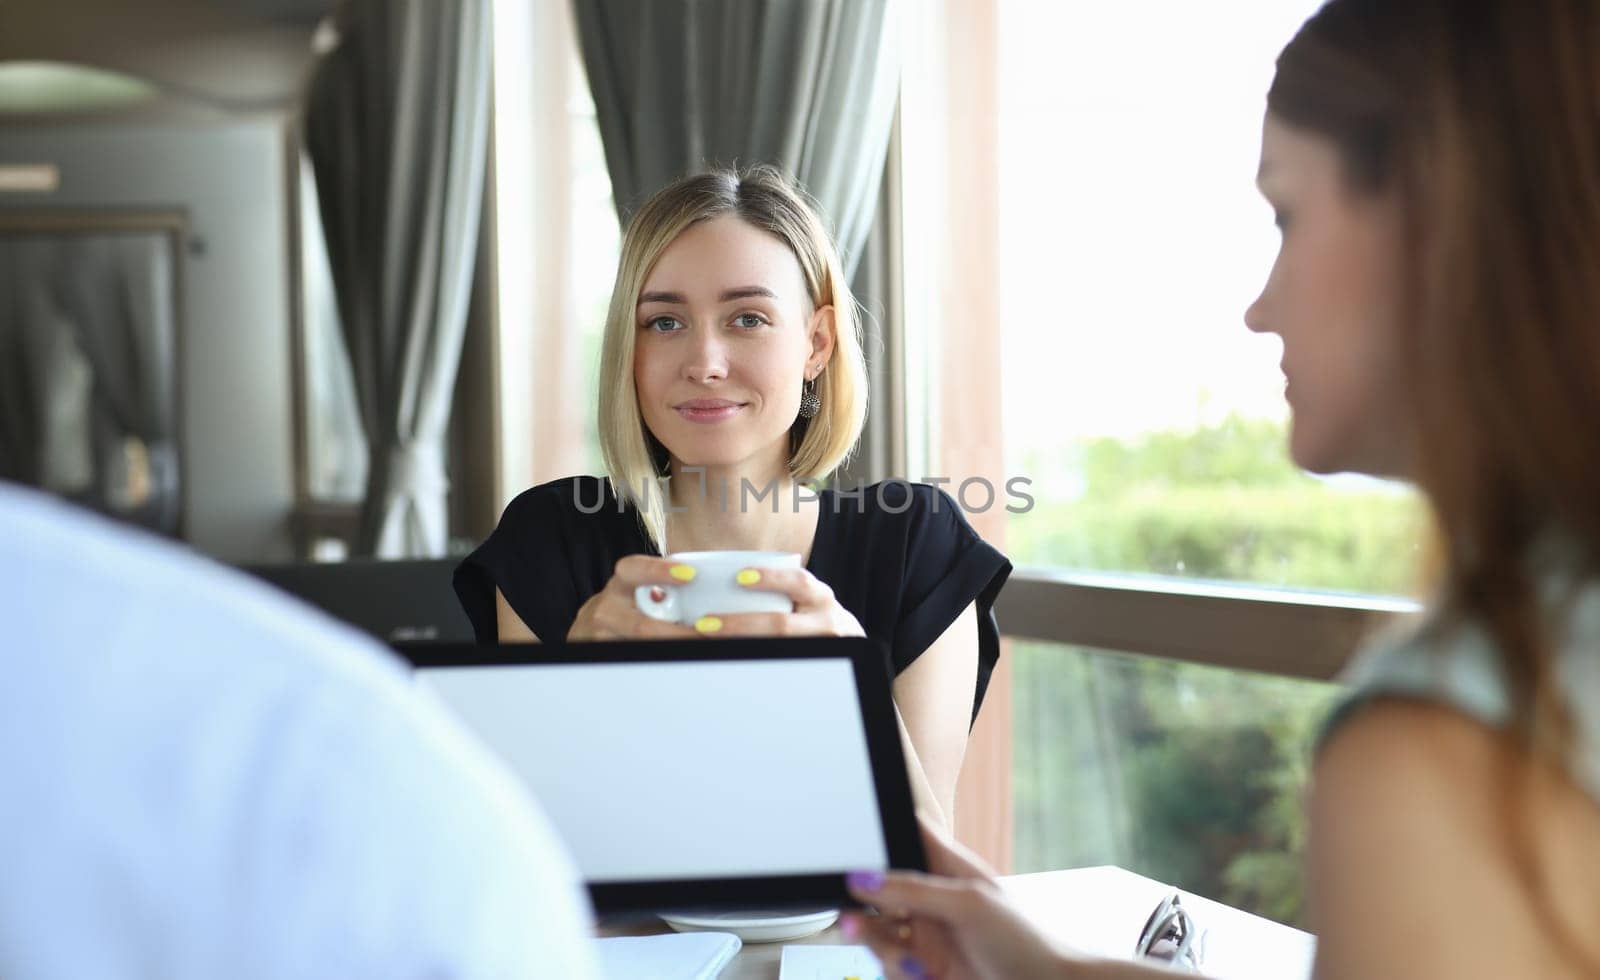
1187,774
557,242
1131,240
596,247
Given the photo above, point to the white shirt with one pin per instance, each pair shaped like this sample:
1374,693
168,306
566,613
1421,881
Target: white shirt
201,778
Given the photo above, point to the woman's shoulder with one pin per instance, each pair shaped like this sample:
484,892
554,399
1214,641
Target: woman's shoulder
904,500
1455,663
1431,658
580,513
1411,779
918,527
929,521
563,497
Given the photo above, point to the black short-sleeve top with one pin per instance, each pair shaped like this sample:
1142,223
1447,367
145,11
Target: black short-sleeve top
899,556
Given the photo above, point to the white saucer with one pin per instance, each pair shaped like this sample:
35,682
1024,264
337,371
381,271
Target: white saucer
755,925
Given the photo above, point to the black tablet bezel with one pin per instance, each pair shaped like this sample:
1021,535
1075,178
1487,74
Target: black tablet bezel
902,840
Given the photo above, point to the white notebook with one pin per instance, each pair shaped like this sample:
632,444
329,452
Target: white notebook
677,956
829,963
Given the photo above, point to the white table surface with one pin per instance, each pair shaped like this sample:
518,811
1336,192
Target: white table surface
1100,911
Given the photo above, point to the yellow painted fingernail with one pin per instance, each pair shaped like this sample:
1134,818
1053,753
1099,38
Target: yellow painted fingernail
708,624
683,573
748,577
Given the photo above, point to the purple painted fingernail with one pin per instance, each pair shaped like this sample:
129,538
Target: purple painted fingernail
849,927
912,967
867,881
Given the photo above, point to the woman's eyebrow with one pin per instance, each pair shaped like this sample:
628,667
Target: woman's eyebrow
745,292
738,292
659,297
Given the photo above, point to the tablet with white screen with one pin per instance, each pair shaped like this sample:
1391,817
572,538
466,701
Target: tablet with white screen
697,773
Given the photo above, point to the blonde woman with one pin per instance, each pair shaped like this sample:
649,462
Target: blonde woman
732,373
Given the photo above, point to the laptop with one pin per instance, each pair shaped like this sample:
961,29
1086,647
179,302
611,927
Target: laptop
396,601
703,774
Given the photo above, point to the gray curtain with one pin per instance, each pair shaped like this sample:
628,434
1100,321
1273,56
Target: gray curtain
397,123
808,85
88,393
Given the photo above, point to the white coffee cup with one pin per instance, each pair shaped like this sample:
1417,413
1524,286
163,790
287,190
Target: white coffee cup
715,589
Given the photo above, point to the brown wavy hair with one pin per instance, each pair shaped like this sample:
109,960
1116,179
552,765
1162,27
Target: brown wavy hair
1484,116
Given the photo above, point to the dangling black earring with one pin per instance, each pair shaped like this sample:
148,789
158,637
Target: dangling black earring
810,404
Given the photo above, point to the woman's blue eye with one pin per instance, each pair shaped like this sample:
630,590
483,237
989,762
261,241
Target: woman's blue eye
749,321
663,324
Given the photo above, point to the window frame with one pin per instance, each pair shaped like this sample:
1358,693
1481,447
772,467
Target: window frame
1286,632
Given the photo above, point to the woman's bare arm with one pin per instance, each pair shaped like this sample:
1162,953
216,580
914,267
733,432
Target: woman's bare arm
934,696
508,624
1411,869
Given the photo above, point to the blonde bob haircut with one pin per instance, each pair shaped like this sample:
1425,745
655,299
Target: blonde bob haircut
635,461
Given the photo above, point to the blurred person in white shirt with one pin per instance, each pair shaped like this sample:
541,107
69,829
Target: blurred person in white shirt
202,778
